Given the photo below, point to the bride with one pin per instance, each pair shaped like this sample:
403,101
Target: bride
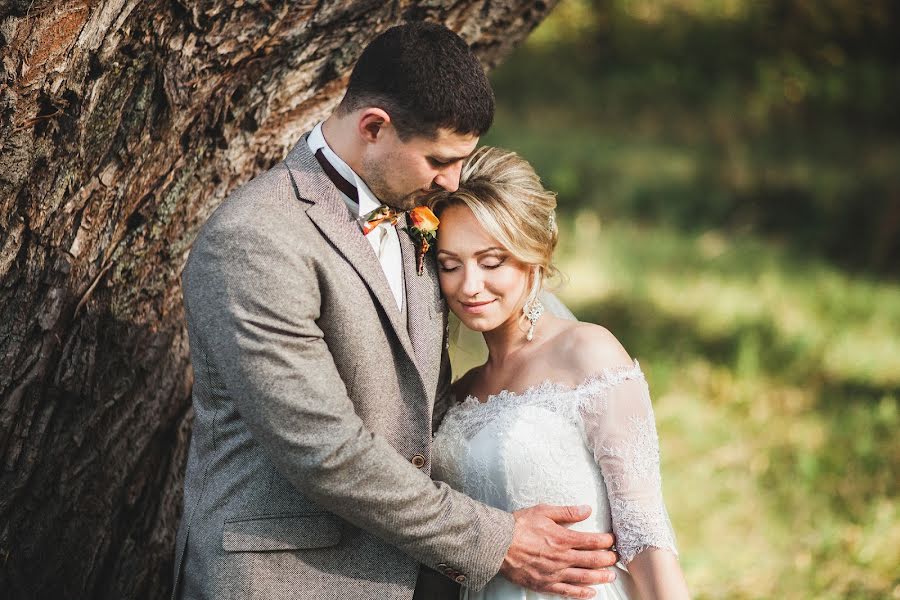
559,413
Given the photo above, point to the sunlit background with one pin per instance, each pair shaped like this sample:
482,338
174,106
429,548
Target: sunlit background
729,190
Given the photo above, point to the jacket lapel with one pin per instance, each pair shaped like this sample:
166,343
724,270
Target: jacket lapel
422,323
329,213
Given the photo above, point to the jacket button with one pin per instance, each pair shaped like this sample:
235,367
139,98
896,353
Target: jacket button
460,579
418,461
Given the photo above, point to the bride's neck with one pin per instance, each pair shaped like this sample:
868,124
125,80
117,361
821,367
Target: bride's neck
503,342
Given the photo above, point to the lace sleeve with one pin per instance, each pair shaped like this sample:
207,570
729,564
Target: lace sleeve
618,426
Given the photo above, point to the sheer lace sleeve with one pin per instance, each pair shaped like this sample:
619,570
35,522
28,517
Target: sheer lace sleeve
618,426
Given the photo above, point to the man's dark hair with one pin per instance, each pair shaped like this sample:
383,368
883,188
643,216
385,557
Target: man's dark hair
426,78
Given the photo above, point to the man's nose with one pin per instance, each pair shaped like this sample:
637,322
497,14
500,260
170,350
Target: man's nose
449,177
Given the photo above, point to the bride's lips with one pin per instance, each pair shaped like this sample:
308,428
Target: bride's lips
474,308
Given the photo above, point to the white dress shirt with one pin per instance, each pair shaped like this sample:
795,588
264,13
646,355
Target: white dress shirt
384,239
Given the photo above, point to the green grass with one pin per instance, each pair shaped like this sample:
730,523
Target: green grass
777,383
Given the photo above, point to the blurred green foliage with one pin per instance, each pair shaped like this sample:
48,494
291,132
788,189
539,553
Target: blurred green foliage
729,195
778,117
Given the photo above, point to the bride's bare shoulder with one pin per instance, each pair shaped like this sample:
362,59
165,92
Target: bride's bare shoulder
590,348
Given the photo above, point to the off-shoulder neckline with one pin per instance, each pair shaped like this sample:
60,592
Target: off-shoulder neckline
606,377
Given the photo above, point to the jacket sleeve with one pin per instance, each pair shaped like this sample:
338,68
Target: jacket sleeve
240,287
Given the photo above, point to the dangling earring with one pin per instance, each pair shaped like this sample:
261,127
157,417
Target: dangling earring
533,311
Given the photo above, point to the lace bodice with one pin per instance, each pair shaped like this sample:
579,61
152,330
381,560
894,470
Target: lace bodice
593,444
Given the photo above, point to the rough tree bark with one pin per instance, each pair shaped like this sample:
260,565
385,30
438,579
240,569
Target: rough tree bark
122,125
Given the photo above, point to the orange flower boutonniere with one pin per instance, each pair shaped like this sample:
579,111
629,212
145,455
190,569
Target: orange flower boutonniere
423,228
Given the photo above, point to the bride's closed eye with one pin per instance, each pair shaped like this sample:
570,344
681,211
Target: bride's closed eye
493,264
447,267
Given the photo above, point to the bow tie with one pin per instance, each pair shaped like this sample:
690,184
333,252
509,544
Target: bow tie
378,216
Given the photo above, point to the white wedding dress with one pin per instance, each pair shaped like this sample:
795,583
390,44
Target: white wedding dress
594,444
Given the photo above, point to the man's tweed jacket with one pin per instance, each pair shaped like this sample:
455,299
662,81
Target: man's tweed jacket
314,399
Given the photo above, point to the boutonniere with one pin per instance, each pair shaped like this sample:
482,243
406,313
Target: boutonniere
423,228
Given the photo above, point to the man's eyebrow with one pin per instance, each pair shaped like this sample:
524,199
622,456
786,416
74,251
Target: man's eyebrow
449,159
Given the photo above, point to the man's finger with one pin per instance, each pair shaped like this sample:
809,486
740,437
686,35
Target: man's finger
565,514
570,591
586,576
583,559
581,540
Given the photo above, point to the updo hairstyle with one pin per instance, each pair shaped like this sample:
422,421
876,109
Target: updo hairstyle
507,198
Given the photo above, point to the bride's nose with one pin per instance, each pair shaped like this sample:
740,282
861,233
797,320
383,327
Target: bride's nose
473,282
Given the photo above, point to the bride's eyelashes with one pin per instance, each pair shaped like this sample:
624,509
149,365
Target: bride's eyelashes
449,269
447,265
493,265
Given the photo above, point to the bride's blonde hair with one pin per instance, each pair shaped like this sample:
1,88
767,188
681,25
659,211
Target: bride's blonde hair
507,198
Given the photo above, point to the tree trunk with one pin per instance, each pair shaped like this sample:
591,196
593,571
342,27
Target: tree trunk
123,124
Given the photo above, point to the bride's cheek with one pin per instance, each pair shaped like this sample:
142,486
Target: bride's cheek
445,281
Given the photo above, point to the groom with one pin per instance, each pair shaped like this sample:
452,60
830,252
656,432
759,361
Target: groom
320,364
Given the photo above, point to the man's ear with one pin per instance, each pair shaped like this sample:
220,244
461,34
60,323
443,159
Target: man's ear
371,124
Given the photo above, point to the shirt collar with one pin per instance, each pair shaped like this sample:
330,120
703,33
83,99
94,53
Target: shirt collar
367,200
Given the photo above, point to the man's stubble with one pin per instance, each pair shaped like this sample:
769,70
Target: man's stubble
378,176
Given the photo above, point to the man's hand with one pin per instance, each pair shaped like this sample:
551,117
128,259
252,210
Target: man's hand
546,557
